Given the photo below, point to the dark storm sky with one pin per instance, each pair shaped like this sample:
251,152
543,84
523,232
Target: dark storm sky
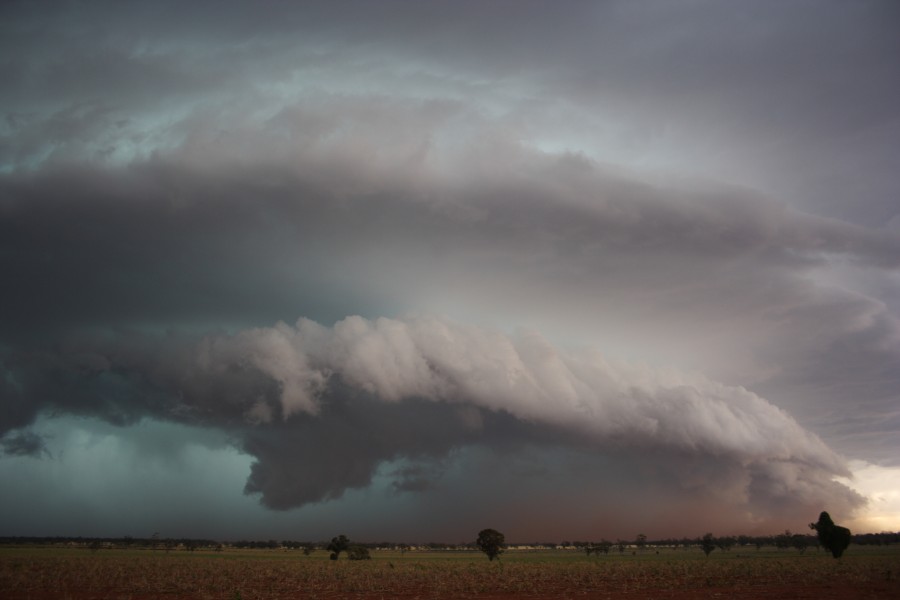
411,269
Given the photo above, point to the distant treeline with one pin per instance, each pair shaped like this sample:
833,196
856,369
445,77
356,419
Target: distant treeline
784,541
799,541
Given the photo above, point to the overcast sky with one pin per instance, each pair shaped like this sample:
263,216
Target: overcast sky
406,270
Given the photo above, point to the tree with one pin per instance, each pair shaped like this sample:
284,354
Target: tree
783,541
491,542
725,543
641,542
338,544
800,542
832,537
598,548
357,552
707,543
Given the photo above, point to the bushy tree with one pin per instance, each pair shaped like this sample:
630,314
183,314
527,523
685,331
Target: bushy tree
491,542
708,543
598,548
725,543
357,552
783,541
800,542
337,545
833,538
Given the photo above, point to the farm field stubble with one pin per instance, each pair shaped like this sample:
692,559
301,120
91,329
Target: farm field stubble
42,573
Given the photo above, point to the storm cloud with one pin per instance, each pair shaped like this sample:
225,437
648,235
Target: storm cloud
322,408
612,242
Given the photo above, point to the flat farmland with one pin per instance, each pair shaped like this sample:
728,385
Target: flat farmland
126,574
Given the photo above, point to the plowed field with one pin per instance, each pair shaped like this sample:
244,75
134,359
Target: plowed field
78,574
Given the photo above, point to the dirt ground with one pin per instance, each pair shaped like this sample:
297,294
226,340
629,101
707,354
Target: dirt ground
873,591
114,575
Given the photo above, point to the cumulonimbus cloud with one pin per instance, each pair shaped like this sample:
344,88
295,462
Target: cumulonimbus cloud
344,173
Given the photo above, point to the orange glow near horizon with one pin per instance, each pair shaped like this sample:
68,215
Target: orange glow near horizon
881,485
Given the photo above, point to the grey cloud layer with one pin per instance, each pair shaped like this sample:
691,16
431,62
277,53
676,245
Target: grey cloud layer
760,94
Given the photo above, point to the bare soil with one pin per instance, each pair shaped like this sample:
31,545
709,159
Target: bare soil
79,575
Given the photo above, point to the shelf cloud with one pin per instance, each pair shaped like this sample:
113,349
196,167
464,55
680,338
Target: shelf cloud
321,408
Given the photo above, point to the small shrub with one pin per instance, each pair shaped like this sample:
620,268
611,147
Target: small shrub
358,553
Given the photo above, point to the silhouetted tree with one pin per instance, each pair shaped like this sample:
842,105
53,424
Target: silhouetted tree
800,542
491,542
641,542
357,552
783,541
725,543
337,545
707,543
598,548
832,537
